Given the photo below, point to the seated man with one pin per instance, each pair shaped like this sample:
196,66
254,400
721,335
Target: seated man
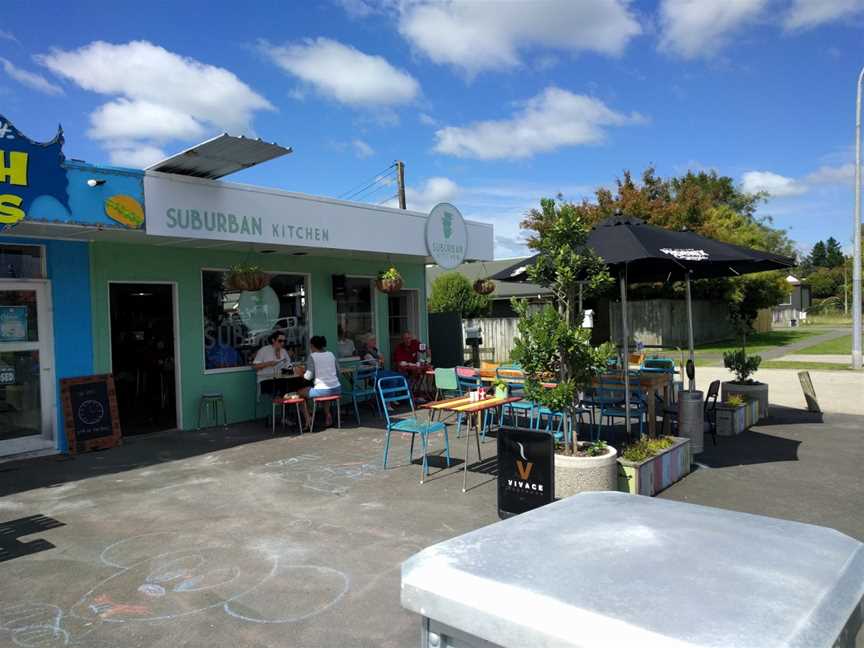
406,351
344,344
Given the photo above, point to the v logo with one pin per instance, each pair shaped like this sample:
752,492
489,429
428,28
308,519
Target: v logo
524,469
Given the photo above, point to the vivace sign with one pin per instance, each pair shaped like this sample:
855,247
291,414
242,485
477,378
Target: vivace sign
28,170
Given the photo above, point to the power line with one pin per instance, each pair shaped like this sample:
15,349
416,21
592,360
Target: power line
372,188
396,195
368,181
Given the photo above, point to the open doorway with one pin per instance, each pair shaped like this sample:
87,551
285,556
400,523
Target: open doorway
402,316
143,356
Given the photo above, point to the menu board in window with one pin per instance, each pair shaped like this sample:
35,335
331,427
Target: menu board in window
90,413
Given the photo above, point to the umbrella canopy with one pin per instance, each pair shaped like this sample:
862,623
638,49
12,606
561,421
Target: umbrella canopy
652,253
638,252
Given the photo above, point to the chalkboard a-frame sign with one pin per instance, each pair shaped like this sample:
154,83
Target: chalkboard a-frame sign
90,413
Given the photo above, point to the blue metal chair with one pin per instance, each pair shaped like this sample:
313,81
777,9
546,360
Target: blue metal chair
512,373
394,389
664,365
612,404
363,387
468,379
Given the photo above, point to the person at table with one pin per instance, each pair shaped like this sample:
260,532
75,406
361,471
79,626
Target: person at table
407,350
323,371
344,344
270,362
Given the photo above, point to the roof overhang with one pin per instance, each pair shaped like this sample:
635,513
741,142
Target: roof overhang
220,156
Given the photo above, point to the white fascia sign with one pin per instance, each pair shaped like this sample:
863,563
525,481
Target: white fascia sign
446,236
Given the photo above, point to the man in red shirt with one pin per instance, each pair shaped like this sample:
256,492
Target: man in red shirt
406,350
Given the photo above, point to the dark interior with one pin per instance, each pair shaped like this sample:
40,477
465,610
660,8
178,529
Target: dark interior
142,353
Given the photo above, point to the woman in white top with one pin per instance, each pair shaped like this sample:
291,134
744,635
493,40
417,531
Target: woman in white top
324,371
269,363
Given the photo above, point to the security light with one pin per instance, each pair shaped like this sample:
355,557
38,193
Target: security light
93,182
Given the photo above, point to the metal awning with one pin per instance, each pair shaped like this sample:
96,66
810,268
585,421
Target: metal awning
220,156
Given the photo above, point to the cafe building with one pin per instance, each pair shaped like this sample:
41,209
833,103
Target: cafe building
171,279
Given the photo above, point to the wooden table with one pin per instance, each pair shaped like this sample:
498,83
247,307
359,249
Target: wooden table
650,384
463,405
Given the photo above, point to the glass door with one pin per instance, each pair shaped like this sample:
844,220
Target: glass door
26,368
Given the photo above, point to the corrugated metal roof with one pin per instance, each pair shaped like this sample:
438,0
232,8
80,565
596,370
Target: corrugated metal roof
220,156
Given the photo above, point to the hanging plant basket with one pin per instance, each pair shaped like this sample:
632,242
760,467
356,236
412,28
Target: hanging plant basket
389,281
484,286
245,277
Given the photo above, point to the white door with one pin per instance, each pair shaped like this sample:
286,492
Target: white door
27,402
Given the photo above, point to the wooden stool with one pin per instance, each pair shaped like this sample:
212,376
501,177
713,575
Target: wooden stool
283,402
210,402
327,399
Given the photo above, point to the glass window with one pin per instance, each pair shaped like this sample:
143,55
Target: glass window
237,323
21,262
355,314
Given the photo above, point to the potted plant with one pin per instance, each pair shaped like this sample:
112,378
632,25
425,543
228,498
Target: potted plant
389,281
744,366
484,286
650,465
552,345
736,414
502,389
246,276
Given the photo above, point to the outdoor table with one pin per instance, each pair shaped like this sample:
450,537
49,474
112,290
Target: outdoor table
651,384
613,569
418,378
464,405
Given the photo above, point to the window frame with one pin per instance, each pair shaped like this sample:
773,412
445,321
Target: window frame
307,279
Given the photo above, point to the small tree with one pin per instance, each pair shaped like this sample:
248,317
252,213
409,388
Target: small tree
551,341
452,293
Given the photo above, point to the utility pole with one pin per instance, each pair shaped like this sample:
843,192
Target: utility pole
856,237
400,181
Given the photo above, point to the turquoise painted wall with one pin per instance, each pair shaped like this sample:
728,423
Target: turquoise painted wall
144,263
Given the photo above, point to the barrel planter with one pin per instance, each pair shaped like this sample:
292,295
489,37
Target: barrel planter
656,473
756,391
575,475
734,419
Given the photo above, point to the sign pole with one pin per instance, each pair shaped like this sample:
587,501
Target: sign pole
856,237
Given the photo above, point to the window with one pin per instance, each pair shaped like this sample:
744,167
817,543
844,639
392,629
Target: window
355,312
238,323
21,262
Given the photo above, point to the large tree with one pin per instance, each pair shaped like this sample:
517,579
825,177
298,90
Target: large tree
708,204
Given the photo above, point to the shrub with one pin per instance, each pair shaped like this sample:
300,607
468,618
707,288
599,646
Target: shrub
646,448
742,365
735,400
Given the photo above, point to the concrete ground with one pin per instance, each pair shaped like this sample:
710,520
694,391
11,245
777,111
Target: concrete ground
838,392
236,538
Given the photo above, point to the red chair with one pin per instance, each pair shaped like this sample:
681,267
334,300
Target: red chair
326,399
296,402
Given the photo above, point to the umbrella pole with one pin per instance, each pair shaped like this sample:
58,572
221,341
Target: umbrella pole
625,360
692,382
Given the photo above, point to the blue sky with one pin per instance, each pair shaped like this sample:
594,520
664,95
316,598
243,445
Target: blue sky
490,104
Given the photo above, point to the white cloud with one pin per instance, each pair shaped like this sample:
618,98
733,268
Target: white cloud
430,193
31,80
158,96
427,120
774,184
8,35
806,14
135,155
833,175
553,119
694,28
362,149
475,36
344,73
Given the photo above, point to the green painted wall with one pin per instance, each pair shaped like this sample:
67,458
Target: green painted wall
147,263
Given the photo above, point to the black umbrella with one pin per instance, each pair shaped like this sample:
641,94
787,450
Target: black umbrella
646,253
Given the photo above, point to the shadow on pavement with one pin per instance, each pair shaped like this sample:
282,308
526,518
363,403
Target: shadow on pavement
781,415
11,547
748,448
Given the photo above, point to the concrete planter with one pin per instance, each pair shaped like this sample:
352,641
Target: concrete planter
577,474
756,391
734,419
651,476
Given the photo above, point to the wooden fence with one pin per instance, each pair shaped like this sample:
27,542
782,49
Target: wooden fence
498,334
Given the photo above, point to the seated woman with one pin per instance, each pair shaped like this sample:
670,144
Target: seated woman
269,363
324,372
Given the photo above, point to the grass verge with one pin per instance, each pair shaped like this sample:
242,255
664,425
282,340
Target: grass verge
804,366
841,345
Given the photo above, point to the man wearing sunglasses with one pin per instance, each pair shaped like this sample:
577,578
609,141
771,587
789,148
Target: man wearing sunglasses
270,363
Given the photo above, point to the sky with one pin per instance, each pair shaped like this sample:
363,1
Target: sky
490,104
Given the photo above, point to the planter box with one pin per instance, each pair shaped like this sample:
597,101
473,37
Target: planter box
756,392
651,476
732,420
575,475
